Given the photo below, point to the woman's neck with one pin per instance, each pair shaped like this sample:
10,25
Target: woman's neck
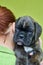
6,41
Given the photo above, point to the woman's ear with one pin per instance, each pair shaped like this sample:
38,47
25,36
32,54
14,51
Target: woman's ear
38,30
9,29
7,32
13,27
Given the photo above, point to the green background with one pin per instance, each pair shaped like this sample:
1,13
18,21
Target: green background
33,8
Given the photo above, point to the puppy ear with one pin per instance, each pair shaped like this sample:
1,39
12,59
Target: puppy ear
38,30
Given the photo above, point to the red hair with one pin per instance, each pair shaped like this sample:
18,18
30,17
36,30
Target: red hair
6,17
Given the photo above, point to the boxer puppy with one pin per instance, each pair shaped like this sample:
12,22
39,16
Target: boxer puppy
26,39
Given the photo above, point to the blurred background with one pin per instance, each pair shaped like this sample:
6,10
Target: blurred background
33,8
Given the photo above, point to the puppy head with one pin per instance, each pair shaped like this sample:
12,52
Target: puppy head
26,30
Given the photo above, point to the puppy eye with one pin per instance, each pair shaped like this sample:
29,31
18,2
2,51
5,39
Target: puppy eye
29,34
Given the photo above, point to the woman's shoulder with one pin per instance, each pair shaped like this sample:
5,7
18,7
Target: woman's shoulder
7,56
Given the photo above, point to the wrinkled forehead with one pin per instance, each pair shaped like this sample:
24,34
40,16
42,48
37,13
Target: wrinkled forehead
27,20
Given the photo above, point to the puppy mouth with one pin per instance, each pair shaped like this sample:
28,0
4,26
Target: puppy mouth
19,43
22,42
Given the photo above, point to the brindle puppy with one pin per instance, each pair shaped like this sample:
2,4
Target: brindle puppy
26,39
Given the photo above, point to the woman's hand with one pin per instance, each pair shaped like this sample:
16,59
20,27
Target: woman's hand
41,63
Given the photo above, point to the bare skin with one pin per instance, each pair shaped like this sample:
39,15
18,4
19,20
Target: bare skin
7,38
41,63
